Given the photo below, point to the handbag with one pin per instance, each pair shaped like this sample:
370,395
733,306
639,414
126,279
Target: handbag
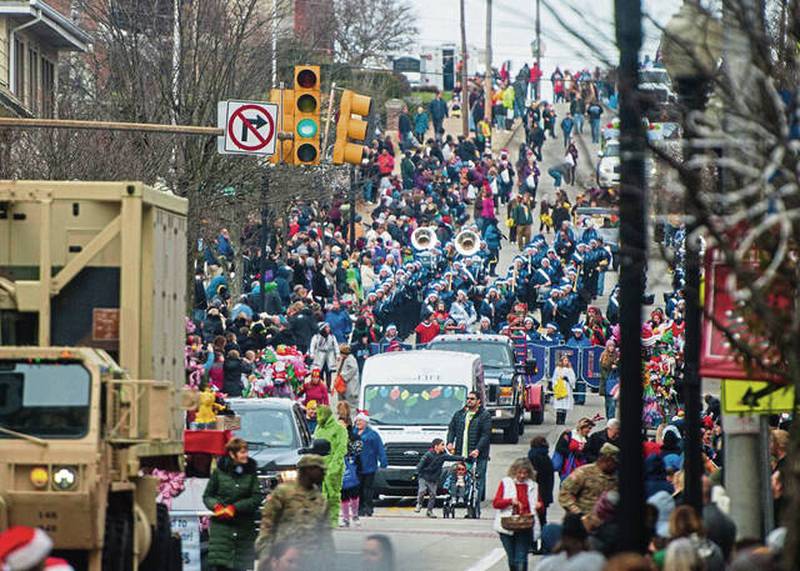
510,222
504,176
558,461
339,385
530,181
517,522
560,390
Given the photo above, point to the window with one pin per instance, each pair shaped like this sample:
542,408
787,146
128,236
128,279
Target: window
19,67
48,88
33,80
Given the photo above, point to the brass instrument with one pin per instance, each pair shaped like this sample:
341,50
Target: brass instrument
467,243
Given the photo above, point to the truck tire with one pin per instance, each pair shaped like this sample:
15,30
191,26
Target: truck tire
521,417
511,434
537,416
118,543
159,555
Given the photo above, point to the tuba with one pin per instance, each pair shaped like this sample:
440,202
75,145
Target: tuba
424,239
467,243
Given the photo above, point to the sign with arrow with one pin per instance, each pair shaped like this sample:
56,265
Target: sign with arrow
756,397
250,127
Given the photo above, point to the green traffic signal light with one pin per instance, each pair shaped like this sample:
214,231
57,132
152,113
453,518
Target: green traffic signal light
307,128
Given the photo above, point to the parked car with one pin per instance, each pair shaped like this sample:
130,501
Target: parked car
275,430
504,388
608,167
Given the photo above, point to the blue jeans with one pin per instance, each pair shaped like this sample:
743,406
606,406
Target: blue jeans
517,547
595,125
611,407
578,118
556,174
480,473
368,190
601,282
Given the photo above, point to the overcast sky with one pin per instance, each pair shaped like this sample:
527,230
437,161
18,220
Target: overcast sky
513,28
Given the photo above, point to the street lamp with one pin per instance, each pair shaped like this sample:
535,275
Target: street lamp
690,49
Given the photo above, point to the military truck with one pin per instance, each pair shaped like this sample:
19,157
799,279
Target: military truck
92,305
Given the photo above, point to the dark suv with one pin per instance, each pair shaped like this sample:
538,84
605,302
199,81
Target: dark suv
504,388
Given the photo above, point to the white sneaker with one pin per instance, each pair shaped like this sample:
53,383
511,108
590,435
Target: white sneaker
357,521
344,523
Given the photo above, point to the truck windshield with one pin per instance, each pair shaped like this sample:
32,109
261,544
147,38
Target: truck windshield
48,399
267,426
493,355
413,404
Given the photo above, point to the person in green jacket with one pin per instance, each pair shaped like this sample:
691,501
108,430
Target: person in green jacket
407,169
523,219
234,497
328,428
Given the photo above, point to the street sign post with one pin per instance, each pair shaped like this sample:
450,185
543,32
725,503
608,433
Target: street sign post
251,127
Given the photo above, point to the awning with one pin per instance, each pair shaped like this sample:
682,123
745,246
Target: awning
53,27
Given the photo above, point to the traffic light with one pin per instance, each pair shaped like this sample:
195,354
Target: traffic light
306,98
351,132
284,150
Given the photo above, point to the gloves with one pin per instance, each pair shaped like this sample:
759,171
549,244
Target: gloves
224,512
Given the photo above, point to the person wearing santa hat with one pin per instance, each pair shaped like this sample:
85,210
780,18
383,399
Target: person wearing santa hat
27,548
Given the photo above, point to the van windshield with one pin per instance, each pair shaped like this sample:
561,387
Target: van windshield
413,404
493,355
47,399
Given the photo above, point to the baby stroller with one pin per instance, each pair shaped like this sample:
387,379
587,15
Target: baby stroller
461,491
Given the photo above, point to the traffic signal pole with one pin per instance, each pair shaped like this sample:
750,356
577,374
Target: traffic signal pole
352,233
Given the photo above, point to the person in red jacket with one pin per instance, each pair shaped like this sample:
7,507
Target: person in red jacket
385,163
427,330
516,495
314,389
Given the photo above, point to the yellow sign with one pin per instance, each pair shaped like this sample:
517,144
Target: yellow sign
743,397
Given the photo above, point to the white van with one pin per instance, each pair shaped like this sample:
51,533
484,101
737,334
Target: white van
410,397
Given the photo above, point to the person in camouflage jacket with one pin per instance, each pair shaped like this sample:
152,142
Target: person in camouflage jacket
297,513
580,491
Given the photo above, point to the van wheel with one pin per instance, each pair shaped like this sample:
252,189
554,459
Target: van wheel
537,416
118,544
159,555
511,434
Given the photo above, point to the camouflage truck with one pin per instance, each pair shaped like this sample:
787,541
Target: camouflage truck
92,305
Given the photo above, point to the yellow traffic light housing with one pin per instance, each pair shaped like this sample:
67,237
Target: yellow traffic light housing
351,132
306,120
284,150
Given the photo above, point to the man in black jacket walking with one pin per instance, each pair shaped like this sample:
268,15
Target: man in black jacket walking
469,434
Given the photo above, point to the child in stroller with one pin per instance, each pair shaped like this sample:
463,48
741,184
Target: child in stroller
460,485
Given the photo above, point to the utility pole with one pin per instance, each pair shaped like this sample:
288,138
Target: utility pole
538,51
487,88
746,476
633,250
352,223
264,236
464,90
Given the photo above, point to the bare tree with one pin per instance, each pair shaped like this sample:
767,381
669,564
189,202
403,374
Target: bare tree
365,31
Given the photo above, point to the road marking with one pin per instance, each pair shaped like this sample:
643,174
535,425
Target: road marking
489,560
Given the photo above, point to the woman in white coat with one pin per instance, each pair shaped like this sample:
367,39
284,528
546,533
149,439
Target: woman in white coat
324,351
563,386
516,495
